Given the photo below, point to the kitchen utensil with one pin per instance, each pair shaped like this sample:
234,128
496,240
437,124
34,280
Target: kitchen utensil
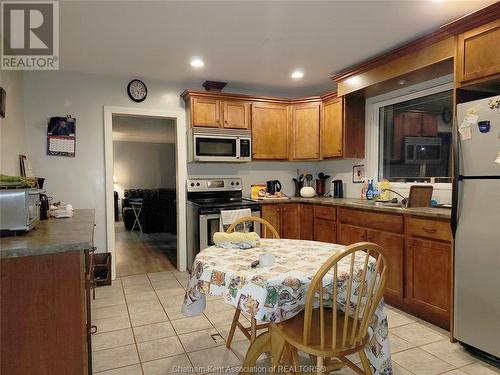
309,178
307,192
273,186
338,189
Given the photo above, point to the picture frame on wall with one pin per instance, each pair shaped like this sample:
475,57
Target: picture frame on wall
358,174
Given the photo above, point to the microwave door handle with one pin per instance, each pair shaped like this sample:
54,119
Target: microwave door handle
238,147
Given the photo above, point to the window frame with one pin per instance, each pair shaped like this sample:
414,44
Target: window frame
372,133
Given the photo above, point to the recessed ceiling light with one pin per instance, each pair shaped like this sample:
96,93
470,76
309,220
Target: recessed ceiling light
197,63
297,74
437,1
402,81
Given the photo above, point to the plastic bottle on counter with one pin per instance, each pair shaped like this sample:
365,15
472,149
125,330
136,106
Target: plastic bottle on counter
369,190
364,189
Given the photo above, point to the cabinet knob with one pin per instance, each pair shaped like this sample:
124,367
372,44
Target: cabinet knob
93,330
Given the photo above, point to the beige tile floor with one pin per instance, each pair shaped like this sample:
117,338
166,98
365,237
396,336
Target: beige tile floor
141,331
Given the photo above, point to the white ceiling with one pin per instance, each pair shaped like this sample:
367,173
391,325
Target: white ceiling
254,45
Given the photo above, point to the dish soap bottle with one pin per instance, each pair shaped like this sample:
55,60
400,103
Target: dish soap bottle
369,190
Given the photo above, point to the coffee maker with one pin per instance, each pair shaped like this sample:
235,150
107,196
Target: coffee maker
338,188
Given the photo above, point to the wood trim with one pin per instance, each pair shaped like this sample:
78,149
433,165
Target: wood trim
254,98
477,18
395,67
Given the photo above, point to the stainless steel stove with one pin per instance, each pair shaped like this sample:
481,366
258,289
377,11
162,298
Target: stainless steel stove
206,199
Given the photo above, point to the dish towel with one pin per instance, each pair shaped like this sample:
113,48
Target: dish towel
230,216
236,240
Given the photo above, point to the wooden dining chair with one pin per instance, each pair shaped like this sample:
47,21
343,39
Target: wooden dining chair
249,332
265,226
326,333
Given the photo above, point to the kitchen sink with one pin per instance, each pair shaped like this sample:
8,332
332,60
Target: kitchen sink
379,204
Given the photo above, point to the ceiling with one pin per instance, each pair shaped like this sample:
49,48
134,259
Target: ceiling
253,45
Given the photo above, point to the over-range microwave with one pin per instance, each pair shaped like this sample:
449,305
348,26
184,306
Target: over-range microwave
420,150
219,145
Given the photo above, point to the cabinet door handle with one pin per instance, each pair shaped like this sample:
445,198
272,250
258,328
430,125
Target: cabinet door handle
429,229
93,330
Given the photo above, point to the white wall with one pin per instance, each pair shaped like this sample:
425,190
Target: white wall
81,180
143,165
12,136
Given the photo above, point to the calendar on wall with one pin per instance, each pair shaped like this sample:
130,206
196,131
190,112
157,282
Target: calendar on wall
61,136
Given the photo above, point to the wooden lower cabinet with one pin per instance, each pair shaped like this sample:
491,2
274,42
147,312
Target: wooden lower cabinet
290,221
325,226
284,218
325,230
271,213
350,234
394,246
417,249
429,280
306,213
44,319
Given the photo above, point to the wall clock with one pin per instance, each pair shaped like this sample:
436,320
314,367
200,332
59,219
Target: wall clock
137,90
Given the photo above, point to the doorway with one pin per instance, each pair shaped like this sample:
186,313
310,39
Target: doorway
145,165
144,183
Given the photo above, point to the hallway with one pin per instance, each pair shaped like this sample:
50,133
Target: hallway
138,254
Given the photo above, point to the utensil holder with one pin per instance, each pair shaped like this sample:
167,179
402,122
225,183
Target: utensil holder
320,187
298,185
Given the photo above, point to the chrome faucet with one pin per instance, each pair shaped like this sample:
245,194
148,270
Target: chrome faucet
404,200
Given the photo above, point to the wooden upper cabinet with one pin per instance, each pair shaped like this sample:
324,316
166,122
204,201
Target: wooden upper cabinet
269,131
331,128
236,114
305,131
478,55
205,112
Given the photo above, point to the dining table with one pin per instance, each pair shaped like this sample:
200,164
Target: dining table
276,293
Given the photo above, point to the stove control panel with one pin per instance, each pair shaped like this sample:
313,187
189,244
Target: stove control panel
214,184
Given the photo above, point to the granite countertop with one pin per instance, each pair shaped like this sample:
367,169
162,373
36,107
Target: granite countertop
430,212
52,236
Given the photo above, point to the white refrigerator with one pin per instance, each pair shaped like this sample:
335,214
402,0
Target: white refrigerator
476,225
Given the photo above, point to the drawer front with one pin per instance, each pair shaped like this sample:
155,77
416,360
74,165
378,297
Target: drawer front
373,220
435,229
325,212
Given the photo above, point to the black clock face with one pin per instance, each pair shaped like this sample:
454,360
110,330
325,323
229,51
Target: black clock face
137,90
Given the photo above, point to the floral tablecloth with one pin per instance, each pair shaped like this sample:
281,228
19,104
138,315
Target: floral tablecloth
277,293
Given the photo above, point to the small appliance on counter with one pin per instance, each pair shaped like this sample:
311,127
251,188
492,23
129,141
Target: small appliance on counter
338,188
44,205
19,209
273,187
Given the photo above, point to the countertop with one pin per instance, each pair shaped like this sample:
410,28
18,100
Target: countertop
430,212
52,236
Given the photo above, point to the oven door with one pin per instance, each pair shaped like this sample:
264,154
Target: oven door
216,148
210,223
